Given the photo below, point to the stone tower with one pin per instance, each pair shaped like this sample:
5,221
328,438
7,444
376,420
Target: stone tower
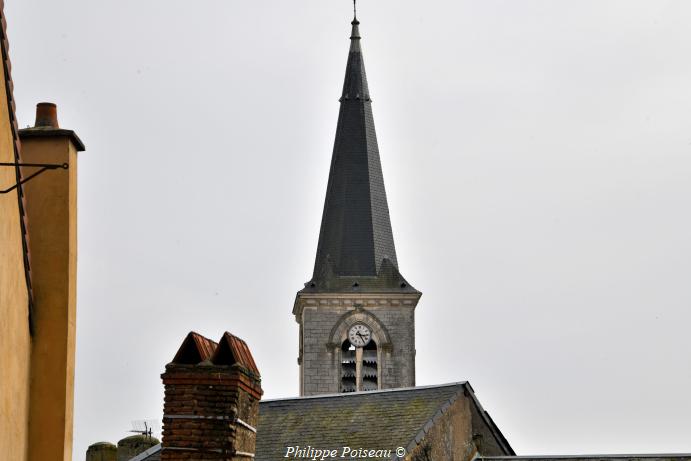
357,313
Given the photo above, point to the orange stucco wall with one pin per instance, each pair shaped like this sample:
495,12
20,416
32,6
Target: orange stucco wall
51,210
15,341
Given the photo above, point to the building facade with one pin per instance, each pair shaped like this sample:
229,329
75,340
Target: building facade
38,255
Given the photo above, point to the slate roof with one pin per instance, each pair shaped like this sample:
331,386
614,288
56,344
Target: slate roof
388,280
153,454
379,420
355,236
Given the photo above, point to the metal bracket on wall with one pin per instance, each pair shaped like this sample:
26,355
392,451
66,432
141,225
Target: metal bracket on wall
43,166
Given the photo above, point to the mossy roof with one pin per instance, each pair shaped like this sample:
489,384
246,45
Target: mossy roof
373,420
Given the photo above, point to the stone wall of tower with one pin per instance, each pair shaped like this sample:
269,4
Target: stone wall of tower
324,319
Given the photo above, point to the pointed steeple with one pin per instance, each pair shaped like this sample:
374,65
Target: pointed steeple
356,237
356,278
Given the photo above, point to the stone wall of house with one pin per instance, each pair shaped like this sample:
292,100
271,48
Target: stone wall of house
449,435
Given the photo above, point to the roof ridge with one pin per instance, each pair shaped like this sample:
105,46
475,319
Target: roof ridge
379,391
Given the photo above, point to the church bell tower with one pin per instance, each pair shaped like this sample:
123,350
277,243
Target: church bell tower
357,313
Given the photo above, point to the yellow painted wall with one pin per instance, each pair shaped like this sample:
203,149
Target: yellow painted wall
51,210
15,341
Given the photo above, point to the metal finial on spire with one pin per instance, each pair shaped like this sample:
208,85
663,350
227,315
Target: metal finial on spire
355,22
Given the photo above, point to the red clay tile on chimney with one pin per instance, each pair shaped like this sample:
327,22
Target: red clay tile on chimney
232,350
194,349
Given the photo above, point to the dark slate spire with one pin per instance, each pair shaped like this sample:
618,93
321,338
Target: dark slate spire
355,238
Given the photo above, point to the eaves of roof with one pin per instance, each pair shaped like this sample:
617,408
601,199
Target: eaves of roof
11,105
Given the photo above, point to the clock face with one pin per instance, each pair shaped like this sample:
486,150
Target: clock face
359,335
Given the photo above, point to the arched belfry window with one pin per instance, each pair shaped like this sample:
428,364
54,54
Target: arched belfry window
359,361
370,370
348,368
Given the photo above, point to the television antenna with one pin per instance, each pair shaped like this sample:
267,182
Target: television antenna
145,427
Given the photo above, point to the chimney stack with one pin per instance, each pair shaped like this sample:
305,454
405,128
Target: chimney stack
211,404
51,210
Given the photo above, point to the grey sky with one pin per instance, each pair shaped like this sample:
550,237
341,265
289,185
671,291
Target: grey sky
537,157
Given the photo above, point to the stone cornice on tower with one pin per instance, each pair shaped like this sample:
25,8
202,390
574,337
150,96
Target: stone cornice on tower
353,301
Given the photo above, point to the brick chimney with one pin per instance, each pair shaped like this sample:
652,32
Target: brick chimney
51,212
211,405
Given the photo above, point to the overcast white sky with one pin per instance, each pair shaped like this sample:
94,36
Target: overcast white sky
537,158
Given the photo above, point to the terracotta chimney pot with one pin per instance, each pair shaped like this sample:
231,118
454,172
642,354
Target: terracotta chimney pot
47,115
